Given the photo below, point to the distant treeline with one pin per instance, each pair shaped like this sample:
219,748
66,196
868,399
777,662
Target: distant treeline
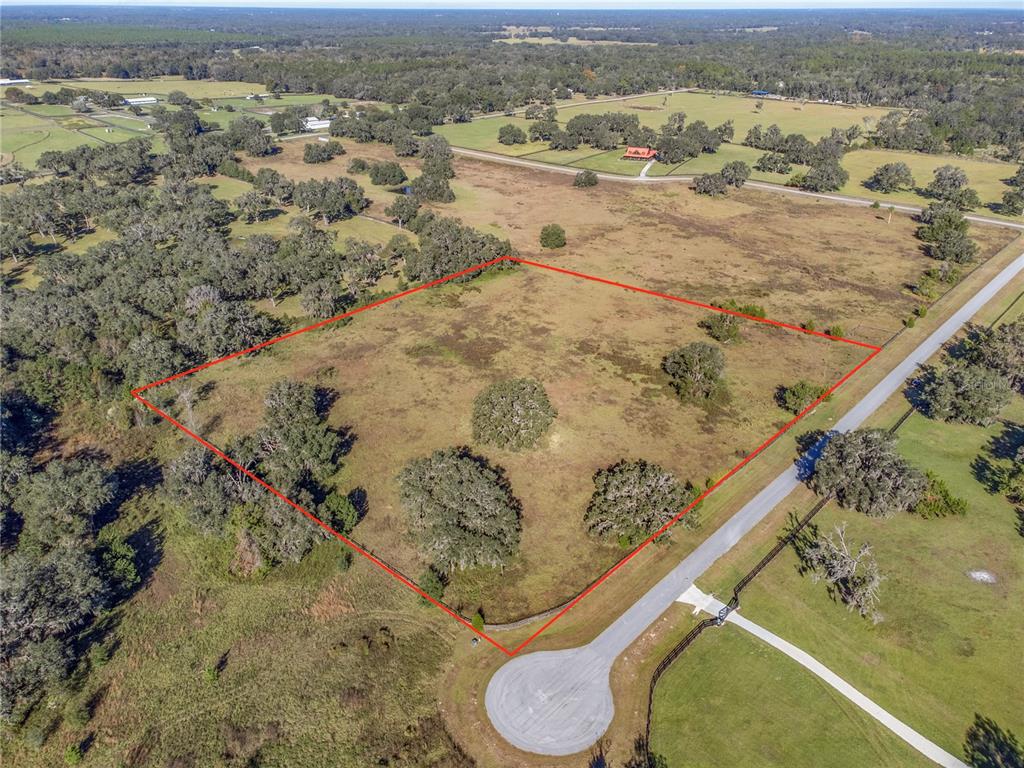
957,69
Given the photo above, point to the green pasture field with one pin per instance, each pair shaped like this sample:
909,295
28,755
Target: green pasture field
948,644
985,176
25,137
157,86
811,119
732,700
482,134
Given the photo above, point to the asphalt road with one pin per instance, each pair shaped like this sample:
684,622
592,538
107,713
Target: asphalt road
560,702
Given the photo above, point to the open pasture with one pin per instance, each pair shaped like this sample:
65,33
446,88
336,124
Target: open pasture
406,375
803,260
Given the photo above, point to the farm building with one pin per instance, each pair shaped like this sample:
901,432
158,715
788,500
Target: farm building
139,101
5,81
315,124
640,153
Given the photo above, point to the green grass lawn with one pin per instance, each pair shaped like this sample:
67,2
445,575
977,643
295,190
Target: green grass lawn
986,176
948,645
611,162
811,119
703,713
483,135
157,86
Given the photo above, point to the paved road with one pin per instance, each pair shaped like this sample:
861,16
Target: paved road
928,748
560,702
863,202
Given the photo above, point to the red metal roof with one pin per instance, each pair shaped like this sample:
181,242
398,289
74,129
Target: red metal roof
639,153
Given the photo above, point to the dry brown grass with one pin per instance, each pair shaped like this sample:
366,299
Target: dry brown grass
407,373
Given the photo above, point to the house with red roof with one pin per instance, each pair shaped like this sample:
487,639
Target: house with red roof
640,153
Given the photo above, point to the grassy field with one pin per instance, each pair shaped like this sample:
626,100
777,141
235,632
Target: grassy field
947,645
157,86
407,375
801,259
703,714
316,664
25,137
811,119
986,176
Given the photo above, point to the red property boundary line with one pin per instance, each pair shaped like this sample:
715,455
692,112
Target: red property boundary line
137,394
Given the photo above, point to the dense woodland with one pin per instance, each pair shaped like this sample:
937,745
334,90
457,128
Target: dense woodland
959,70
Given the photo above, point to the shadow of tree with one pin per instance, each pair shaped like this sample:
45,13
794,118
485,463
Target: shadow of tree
1007,443
800,541
810,444
148,543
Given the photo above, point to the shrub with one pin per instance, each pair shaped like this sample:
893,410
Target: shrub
797,397
358,165
721,327
512,414
552,236
695,370
585,178
938,500
433,584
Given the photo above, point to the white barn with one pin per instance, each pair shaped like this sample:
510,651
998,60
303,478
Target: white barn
138,101
315,124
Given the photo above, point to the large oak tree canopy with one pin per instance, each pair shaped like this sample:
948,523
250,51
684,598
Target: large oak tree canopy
461,509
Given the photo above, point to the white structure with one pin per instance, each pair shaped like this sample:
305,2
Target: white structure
12,81
315,124
138,101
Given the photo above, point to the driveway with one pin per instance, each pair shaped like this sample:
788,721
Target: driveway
560,702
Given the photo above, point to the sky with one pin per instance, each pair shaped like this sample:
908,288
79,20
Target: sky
551,4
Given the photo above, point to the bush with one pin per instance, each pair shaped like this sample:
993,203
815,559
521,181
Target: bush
695,370
235,170
433,584
585,179
552,236
711,184
358,165
633,499
721,327
512,414
938,500
797,397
